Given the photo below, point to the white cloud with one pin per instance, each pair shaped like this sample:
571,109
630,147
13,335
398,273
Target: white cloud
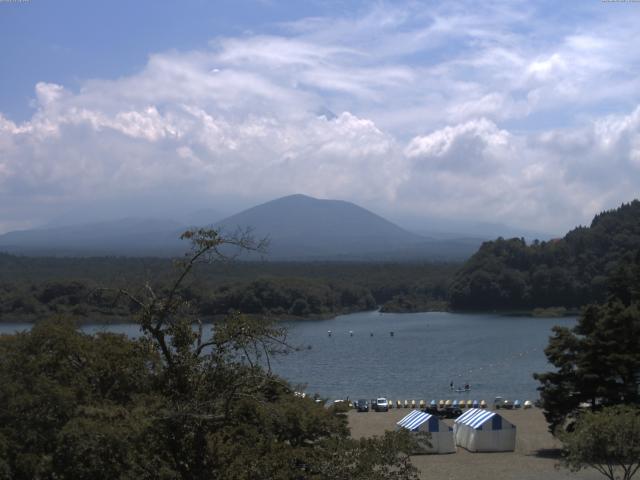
482,133
430,105
543,180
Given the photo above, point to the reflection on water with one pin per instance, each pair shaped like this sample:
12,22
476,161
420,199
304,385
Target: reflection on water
496,355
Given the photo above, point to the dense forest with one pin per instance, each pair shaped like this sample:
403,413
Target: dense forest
568,272
33,288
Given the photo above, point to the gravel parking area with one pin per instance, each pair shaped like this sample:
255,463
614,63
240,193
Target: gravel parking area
535,456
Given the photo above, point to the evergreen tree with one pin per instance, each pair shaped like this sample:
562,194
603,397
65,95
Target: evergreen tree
598,361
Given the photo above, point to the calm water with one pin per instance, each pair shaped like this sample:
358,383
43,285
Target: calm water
496,355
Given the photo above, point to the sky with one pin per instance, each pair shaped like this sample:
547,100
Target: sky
525,113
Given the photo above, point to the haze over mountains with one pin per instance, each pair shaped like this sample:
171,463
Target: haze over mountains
298,227
127,237
301,227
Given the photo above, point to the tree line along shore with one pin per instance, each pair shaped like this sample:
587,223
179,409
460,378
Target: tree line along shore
557,277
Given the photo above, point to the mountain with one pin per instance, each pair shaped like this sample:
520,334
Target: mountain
127,237
298,225
566,272
451,228
203,217
301,227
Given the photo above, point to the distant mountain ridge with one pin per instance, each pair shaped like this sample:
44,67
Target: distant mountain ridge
299,228
126,237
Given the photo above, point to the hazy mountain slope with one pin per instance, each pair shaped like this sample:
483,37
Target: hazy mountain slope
131,236
451,228
301,226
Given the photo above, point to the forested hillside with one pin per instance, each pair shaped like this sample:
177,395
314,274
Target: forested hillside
38,287
568,272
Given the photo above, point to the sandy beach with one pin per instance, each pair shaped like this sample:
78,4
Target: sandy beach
535,456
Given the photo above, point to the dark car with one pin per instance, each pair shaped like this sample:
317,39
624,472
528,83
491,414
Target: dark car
452,412
432,410
362,405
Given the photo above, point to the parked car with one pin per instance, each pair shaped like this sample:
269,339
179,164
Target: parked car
452,412
432,409
508,404
382,405
362,405
500,402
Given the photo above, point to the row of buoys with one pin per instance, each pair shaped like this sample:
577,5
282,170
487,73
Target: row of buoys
515,404
438,404
406,404
330,333
442,404
459,404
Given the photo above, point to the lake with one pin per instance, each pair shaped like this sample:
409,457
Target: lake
495,354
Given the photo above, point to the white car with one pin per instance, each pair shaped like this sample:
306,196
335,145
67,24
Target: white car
382,405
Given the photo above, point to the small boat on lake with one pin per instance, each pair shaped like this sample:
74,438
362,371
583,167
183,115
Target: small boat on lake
466,388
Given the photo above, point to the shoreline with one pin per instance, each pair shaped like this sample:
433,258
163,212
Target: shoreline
121,320
536,455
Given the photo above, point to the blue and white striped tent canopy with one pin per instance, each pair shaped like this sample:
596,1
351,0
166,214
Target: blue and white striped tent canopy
417,419
441,440
414,420
476,418
480,430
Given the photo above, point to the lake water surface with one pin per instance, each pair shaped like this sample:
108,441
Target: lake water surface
495,354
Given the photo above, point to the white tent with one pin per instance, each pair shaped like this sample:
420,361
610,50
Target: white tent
480,430
441,439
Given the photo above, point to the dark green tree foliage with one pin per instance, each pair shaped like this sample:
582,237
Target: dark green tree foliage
568,272
297,297
32,288
608,440
54,382
598,361
178,403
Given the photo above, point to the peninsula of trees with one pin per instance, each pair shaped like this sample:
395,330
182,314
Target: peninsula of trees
567,272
